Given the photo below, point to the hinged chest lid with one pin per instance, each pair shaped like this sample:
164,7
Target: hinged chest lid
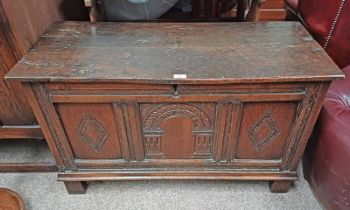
176,53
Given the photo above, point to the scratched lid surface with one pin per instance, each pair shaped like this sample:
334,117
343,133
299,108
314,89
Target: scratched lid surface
176,53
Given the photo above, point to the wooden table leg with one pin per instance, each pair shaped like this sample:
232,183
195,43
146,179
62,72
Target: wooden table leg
242,6
76,187
279,186
254,11
215,9
96,10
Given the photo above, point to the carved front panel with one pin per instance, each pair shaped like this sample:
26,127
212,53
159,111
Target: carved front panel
264,129
91,130
178,130
218,130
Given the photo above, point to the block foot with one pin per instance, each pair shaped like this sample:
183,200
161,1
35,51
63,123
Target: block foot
76,187
279,186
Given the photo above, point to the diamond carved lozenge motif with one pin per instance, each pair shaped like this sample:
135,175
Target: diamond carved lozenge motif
92,132
263,132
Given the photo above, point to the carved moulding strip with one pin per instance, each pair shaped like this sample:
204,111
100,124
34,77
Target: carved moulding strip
48,110
88,122
231,129
304,111
269,123
154,114
227,130
126,92
122,119
191,91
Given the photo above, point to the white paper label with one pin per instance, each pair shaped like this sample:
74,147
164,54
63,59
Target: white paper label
180,76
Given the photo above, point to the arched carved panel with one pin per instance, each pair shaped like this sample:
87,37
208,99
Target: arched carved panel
201,115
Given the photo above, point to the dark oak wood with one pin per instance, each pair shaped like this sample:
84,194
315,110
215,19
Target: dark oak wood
175,175
13,109
121,52
28,167
279,186
76,187
273,10
21,24
21,132
111,106
254,11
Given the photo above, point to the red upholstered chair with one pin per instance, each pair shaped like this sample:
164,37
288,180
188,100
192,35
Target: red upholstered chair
328,156
327,159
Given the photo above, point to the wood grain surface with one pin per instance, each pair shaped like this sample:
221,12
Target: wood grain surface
154,52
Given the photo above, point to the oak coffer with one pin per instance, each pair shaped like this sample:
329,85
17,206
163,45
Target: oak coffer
140,101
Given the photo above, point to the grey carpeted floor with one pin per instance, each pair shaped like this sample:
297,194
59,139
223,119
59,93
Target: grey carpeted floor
42,191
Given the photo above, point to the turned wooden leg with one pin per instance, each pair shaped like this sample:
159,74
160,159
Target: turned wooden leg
254,11
279,186
242,7
76,187
96,10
